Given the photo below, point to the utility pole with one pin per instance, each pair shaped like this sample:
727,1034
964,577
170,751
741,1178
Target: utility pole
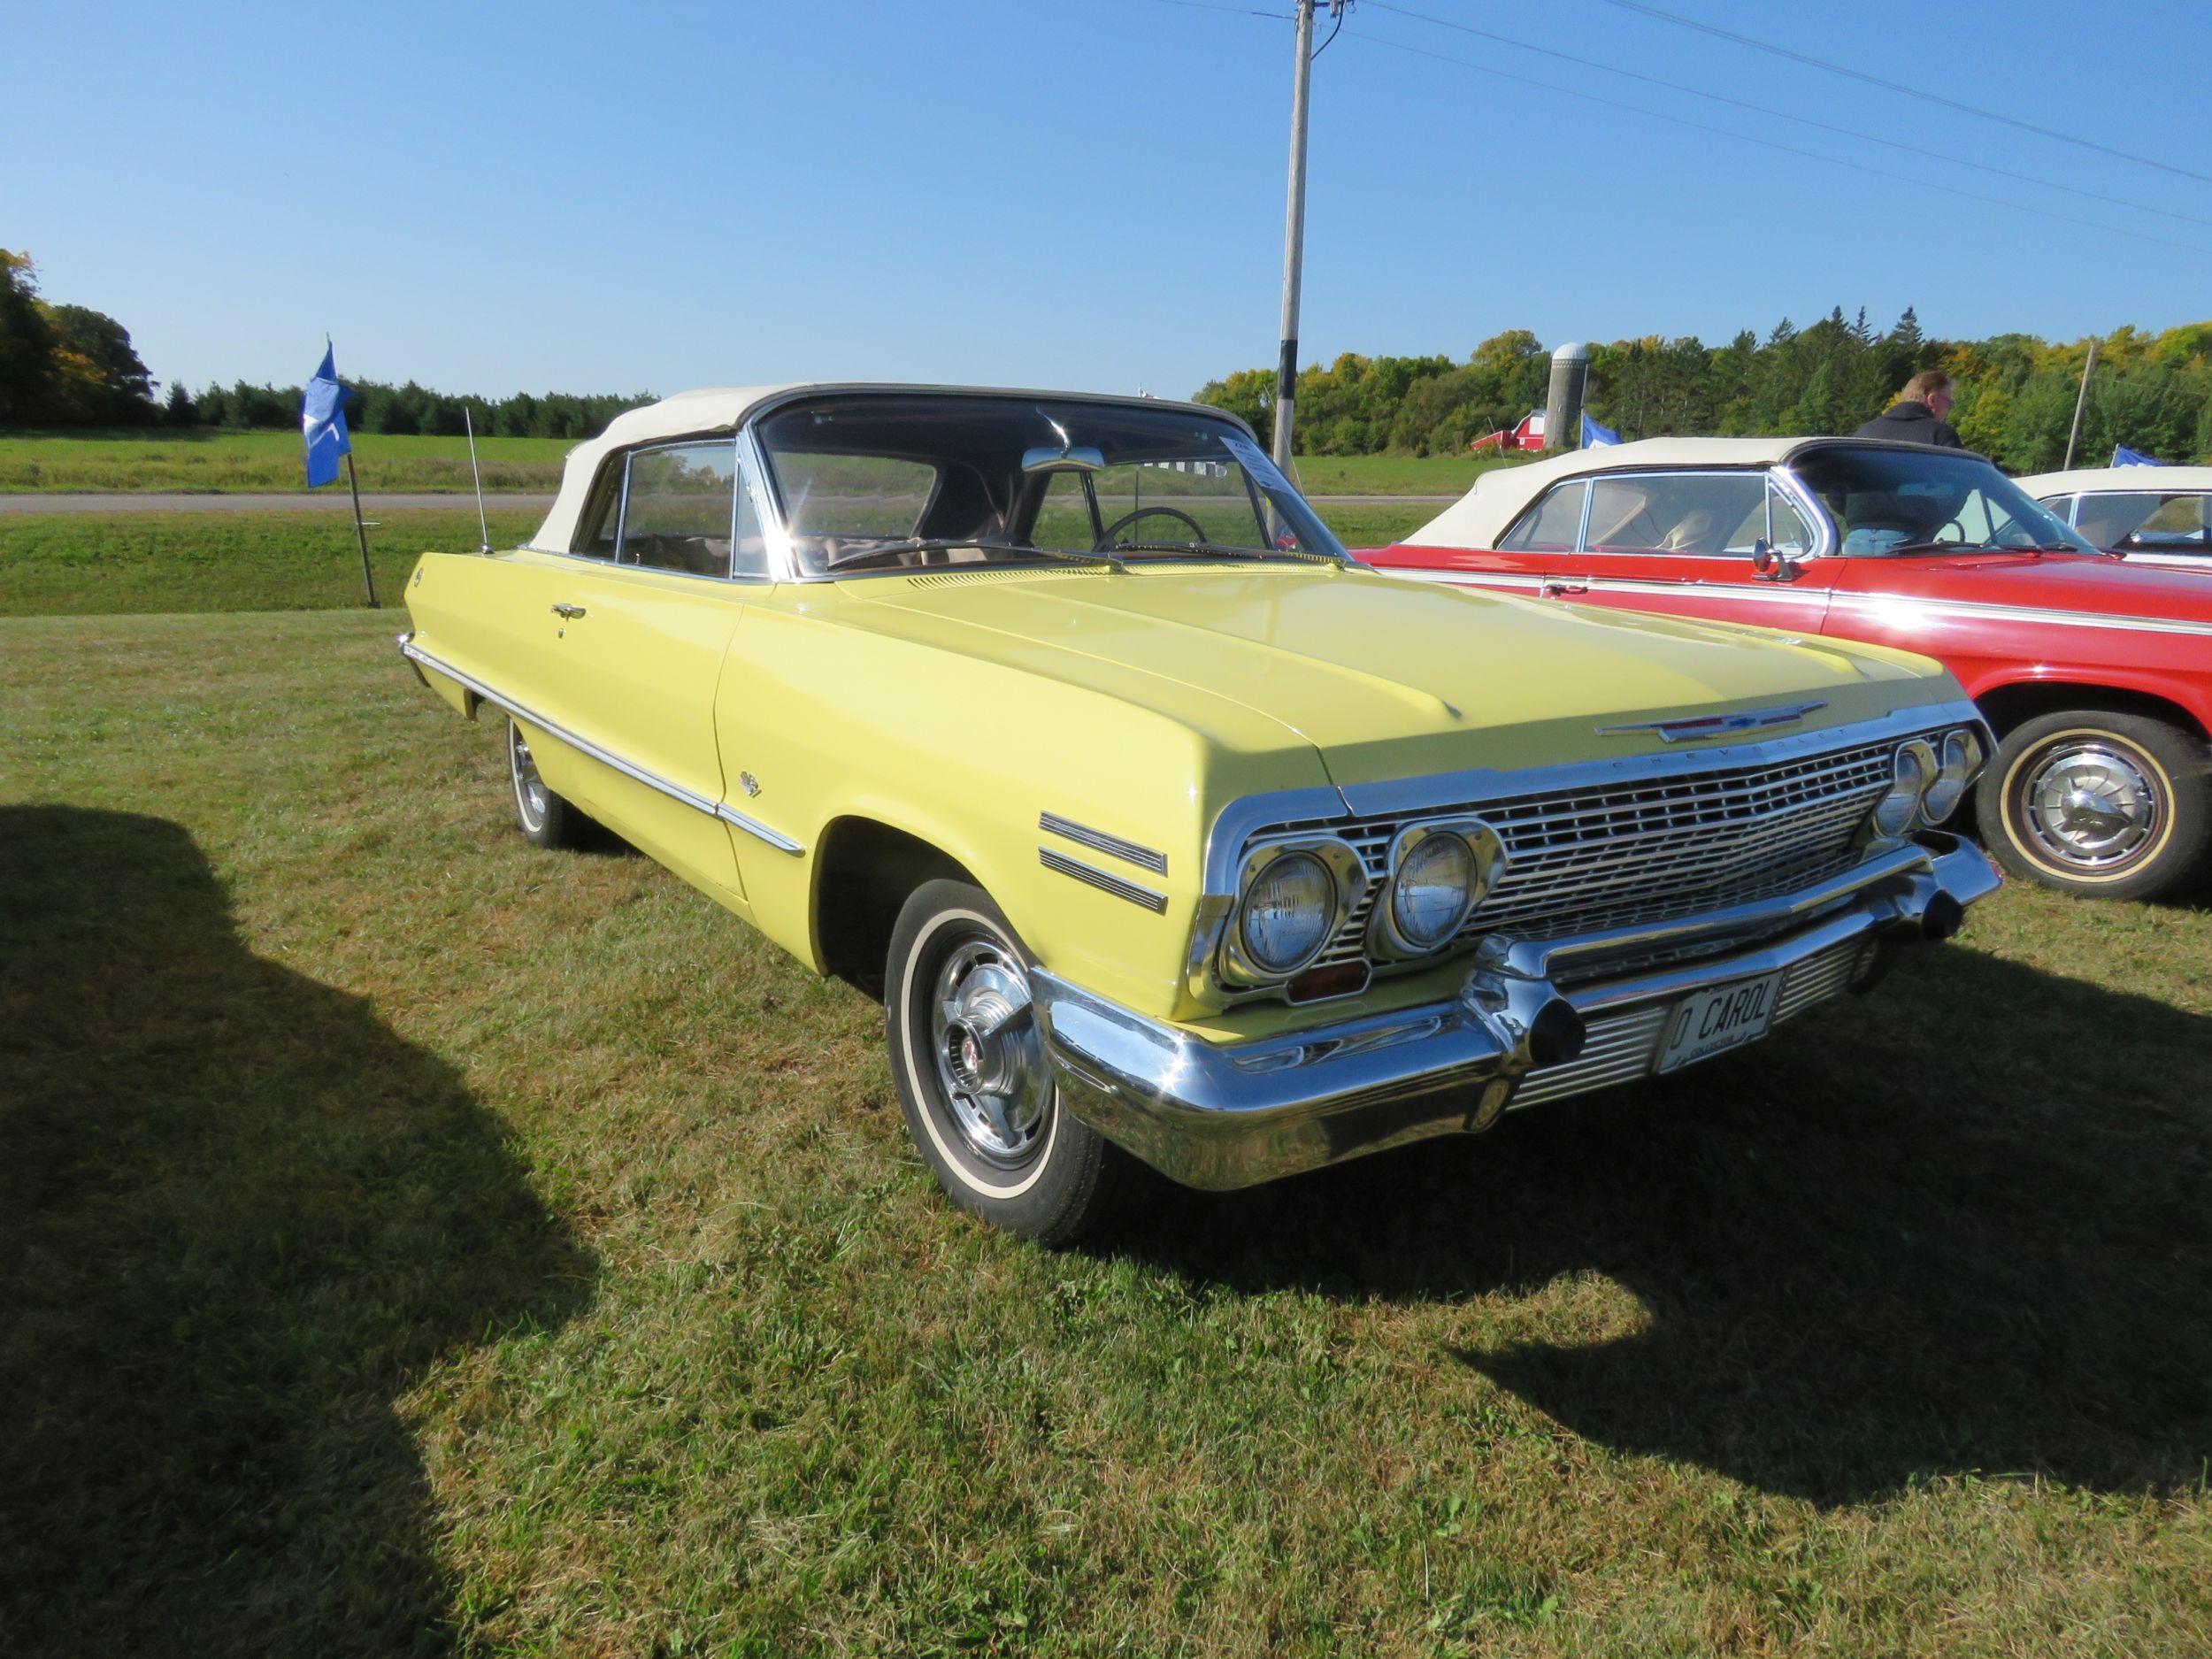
1293,239
2081,401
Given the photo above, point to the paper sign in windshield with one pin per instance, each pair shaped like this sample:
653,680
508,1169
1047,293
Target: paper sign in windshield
1258,463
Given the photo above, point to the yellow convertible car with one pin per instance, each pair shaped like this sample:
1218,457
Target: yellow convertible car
1162,827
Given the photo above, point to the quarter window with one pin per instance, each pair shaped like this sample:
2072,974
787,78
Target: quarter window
681,505
1551,525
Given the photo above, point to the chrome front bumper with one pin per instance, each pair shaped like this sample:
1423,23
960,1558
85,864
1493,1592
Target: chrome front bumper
1221,1115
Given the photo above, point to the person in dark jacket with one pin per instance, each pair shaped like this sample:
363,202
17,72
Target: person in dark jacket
1918,416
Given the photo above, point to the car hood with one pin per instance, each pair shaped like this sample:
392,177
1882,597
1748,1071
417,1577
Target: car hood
1388,677
2065,581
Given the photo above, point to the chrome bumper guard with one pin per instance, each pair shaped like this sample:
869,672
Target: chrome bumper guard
1223,1116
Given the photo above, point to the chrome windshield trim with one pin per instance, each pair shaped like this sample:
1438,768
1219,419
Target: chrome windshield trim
777,528
1810,507
1100,841
1104,880
599,752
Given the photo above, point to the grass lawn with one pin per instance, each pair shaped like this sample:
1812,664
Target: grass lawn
79,564
260,461
413,1241
206,459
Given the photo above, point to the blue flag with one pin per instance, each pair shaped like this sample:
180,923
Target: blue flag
2122,456
1597,437
323,423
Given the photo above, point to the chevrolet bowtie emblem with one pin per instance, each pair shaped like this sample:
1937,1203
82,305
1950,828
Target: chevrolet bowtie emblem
1693,727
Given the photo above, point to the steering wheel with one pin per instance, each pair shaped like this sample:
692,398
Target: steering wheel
1106,536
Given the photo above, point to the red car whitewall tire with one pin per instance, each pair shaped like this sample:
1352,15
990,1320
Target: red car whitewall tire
2104,804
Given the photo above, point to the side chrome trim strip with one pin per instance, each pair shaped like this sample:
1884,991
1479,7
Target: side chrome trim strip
1100,841
599,752
1103,880
1973,611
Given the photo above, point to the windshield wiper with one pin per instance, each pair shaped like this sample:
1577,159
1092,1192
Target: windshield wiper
1935,547
946,544
1220,549
1211,549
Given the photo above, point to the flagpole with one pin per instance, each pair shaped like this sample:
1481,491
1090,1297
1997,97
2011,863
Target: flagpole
368,580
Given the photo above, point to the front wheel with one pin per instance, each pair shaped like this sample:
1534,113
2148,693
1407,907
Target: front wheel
2104,805
973,1076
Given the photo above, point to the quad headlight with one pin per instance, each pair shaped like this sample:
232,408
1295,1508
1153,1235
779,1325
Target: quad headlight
1912,771
1956,763
1928,779
1289,910
1438,873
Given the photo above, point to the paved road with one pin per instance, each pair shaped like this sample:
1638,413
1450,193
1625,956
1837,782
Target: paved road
337,501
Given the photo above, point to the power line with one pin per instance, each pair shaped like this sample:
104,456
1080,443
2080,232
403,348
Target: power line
1240,12
1785,115
1859,75
1770,143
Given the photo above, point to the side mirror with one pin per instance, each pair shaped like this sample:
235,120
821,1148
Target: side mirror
1080,458
1771,567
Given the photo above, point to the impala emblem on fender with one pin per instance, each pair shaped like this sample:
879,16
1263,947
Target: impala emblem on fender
1691,728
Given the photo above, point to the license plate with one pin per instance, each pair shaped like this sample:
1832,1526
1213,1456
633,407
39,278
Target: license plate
1727,1017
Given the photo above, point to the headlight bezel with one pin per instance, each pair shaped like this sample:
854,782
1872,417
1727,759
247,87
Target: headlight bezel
1898,813
1347,886
1388,940
1957,779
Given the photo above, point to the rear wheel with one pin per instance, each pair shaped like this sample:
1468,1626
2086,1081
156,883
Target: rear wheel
547,820
2104,805
973,1079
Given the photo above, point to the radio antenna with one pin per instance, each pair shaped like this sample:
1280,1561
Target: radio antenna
483,528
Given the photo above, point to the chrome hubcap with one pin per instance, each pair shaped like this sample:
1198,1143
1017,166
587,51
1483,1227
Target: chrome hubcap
530,791
2092,804
990,1062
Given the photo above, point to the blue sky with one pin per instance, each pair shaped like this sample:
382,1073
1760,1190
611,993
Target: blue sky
1079,193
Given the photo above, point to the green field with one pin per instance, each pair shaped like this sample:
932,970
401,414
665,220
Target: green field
263,461
412,1241
80,564
258,460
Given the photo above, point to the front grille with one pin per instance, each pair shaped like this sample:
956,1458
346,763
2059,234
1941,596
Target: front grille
1626,854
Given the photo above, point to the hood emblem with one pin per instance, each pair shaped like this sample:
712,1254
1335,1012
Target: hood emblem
1694,727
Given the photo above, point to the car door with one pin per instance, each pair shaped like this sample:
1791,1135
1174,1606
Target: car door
1681,543
641,642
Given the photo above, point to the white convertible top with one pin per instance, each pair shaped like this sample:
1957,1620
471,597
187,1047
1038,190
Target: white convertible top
1482,515
713,409
709,409
2152,481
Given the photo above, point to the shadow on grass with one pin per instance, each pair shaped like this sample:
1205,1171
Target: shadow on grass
238,1218
1962,1226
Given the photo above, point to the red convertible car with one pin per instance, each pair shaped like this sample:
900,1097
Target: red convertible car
2096,674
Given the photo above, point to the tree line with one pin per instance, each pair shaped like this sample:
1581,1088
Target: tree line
69,366
66,365
2016,392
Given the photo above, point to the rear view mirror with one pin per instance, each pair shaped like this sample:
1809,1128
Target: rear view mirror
1080,458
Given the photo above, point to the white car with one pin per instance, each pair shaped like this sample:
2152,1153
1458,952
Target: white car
2149,515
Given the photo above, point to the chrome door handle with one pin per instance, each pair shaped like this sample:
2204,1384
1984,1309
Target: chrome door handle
571,611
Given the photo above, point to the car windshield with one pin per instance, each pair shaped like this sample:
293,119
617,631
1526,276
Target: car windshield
1895,501
872,481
